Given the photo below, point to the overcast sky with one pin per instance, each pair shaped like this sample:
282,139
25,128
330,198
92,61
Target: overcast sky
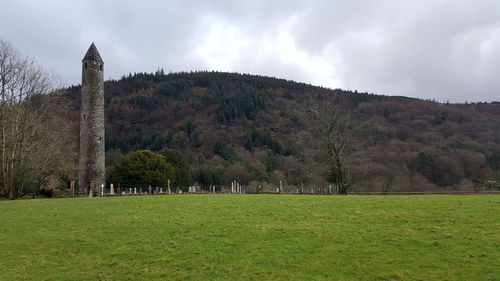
448,50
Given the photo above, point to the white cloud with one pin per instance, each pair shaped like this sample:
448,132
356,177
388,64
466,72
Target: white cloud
272,52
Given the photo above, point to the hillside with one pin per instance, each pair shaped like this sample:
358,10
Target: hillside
252,128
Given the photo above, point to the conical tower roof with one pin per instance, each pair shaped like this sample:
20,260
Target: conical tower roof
92,54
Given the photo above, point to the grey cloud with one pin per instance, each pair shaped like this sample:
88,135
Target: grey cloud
429,50
447,50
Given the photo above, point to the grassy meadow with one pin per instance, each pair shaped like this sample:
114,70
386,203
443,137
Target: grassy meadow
252,237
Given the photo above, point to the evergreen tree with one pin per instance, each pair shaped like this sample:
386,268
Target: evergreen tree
182,169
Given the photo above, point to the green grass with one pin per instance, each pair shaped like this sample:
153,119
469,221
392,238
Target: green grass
252,237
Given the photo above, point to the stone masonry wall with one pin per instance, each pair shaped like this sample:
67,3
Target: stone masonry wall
91,161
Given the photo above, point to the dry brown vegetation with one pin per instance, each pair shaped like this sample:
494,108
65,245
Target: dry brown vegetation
251,128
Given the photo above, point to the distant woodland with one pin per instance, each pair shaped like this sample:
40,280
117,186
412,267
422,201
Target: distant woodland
255,130
210,129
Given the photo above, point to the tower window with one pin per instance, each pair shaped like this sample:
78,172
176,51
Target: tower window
100,66
83,116
100,138
85,65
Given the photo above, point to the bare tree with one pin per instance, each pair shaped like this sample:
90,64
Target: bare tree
21,82
331,127
54,152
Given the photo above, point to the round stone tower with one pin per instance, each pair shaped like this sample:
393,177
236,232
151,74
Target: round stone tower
91,161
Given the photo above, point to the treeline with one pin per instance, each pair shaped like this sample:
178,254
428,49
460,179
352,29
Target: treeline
252,128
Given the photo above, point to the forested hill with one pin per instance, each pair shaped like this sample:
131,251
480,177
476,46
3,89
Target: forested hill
252,128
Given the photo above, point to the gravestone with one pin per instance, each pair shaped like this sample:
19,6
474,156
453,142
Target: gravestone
111,189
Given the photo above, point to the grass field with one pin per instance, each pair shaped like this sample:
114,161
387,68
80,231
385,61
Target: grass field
252,237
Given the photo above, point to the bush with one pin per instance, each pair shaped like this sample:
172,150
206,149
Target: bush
142,168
